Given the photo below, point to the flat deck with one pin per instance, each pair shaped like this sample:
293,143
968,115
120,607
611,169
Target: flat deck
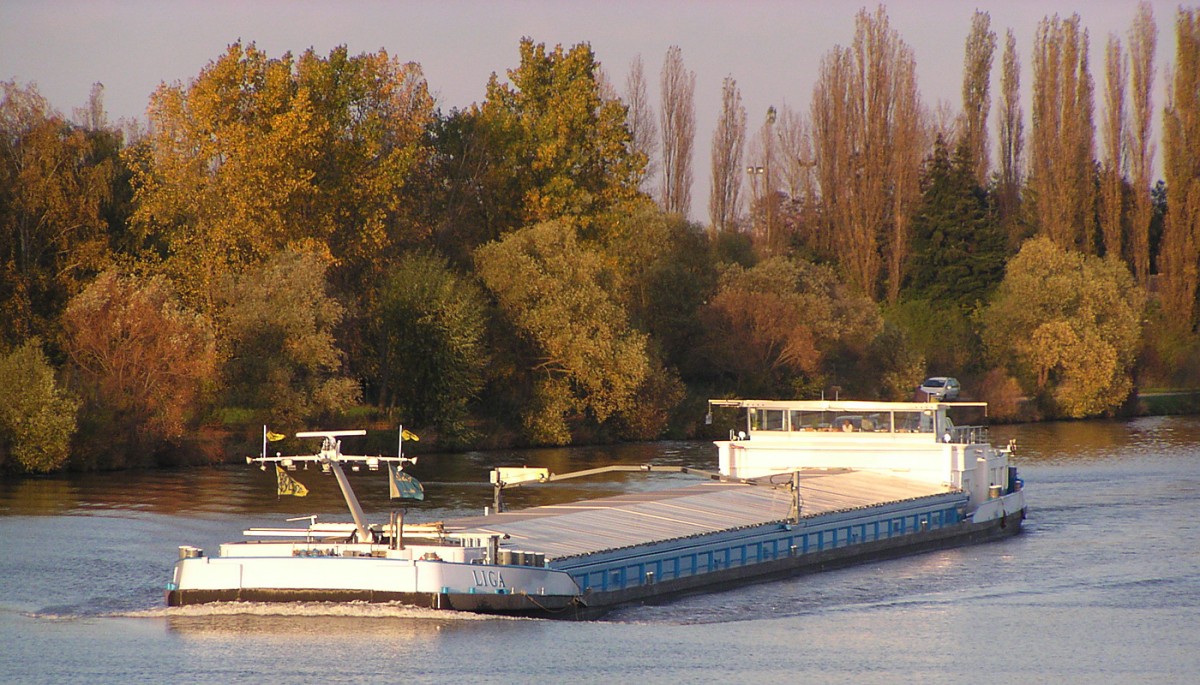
590,526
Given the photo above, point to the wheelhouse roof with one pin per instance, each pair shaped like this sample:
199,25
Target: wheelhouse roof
840,405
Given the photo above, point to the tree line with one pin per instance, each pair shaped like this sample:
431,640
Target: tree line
303,239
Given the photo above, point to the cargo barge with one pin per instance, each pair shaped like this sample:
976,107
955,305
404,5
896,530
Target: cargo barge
801,486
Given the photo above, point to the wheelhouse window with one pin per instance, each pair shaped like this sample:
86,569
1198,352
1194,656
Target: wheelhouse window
768,419
914,421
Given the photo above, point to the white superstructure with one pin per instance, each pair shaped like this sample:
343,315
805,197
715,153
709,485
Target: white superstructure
915,440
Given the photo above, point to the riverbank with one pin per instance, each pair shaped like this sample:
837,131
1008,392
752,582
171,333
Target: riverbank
1167,403
219,444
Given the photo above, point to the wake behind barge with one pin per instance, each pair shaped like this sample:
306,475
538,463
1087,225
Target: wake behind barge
807,485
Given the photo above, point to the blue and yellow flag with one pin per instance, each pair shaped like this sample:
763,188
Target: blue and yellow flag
289,485
275,437
402,485
409,435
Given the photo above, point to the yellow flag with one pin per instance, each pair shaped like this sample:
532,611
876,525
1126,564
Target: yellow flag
289,485
275,437
409,435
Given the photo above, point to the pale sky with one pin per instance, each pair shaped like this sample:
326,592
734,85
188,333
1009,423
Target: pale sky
771,47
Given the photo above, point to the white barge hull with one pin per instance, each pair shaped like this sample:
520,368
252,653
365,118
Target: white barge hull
434,584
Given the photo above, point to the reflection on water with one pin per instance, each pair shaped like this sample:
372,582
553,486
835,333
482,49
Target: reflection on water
1072,441
457,484
295,621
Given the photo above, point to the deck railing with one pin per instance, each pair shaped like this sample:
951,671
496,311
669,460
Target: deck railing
970,435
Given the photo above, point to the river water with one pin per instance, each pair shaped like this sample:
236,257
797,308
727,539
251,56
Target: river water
1102,587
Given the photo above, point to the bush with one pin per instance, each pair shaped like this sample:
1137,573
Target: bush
37,417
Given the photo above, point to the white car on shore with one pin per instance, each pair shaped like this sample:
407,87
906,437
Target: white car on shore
940,388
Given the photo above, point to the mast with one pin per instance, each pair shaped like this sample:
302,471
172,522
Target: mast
360,518
330,458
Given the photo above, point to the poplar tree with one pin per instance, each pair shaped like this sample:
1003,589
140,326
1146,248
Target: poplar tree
639,117
1143,39
795,146
728,141
1062,160
678,132
867,140
1112,179
1178,259
1012,138
765,176
799,223
976,96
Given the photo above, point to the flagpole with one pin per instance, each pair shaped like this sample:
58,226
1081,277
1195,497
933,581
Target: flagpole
264,441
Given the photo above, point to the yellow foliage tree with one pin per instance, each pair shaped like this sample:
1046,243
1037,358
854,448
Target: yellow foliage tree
258,153
55,184
586,357
1069,326
37,416
560,148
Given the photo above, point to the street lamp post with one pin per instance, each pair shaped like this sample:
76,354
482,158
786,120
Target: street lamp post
755,173
767,194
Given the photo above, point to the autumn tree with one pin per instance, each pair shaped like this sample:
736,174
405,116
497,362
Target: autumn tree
867,141
556,148
142,364
1179,264
56,185
278,324
908,148
37,415
584,361
773,329
374,112
664,270
1112,177
428,339
258,153
1079,318
471,199
834,150
1143,39
227,167
1012,139
643,132
976,96
1062,165
678,132
728,142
